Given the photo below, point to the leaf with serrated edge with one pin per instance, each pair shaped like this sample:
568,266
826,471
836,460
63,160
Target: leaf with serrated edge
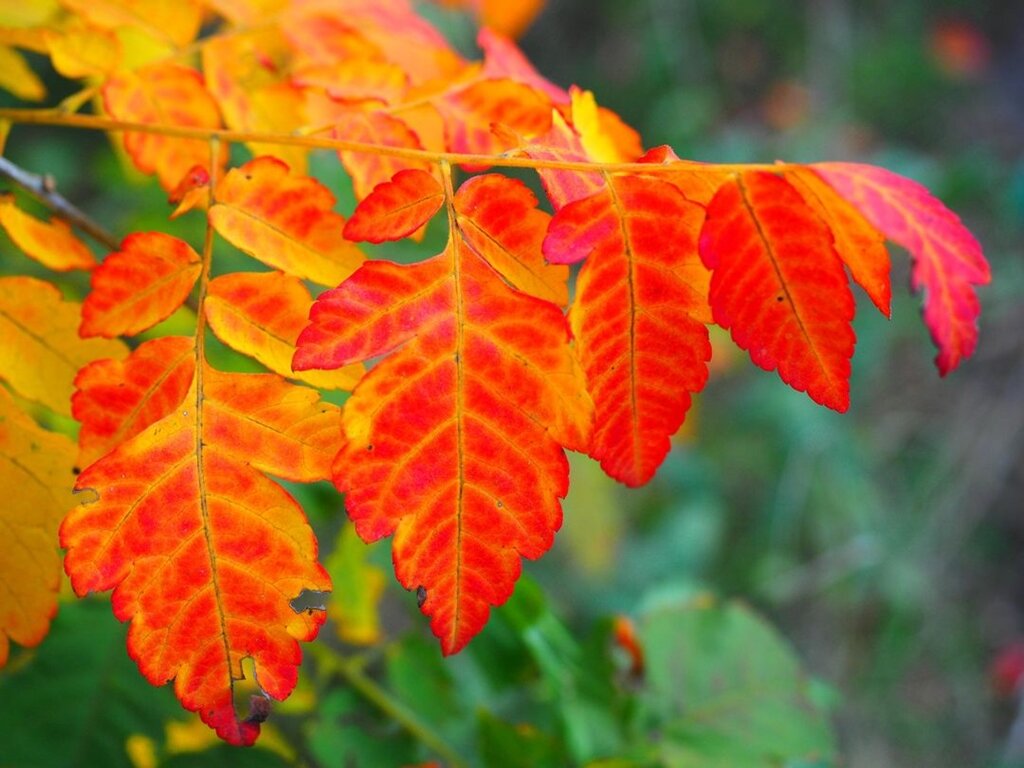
947,259
779,286
36,474
41,351
396,208
140,285
261,315
116,399
204,550
286,221
858,243
51,243
454,442
638,316
499,219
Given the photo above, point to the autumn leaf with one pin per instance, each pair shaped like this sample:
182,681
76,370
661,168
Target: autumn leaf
17,77
779,286
175,22
499,219
51,243
41,351
36,470
454,442
165,94
638,316
284,220
261,315
396,208
116,399
204,550
858,243
82,50
947,259
140,285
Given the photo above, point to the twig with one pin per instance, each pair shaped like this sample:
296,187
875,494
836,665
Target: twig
43,189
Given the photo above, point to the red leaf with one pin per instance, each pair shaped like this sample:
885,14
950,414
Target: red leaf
947,259
779,285
453,442
205,552
638,316
116,400
140,285
396,208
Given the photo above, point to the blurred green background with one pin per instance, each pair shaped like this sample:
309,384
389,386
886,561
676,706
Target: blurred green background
887,544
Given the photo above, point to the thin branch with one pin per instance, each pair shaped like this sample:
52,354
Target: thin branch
91,122
42,188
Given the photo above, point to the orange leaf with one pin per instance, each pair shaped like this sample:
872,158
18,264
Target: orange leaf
175,22
167,94
499,219
858,243
366,168
244,76
140,285
357,79
205,552
779,285
41,351
562,143
697,181
947,259
36,475
261,315
470,112
396,208
286,221
454,442
50,243
115,399
638,316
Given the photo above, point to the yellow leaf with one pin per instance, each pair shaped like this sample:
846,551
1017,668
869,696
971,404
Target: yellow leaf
50,243
36,475
82,50
17,78
41,351
358,586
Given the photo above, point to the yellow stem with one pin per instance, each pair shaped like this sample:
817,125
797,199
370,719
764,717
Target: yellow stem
91,122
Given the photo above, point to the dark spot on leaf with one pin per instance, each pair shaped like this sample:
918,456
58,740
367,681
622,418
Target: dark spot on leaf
369,447
259,709
500,504
76,470
421,596
779,298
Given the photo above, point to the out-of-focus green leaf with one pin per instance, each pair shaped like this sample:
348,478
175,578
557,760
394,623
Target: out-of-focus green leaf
417,675
725,691
345,734
507,745
358,585
225,756
80,697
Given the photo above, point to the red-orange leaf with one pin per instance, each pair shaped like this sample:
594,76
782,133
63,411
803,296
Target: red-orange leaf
638,316
261,315
204,550
140,285
858,243
779,285
51,243
117,399
167,94
499,219
470,112
285,221
453,442
947,259
396,208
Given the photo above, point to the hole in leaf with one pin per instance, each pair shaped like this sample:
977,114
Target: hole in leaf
421,596
309,600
